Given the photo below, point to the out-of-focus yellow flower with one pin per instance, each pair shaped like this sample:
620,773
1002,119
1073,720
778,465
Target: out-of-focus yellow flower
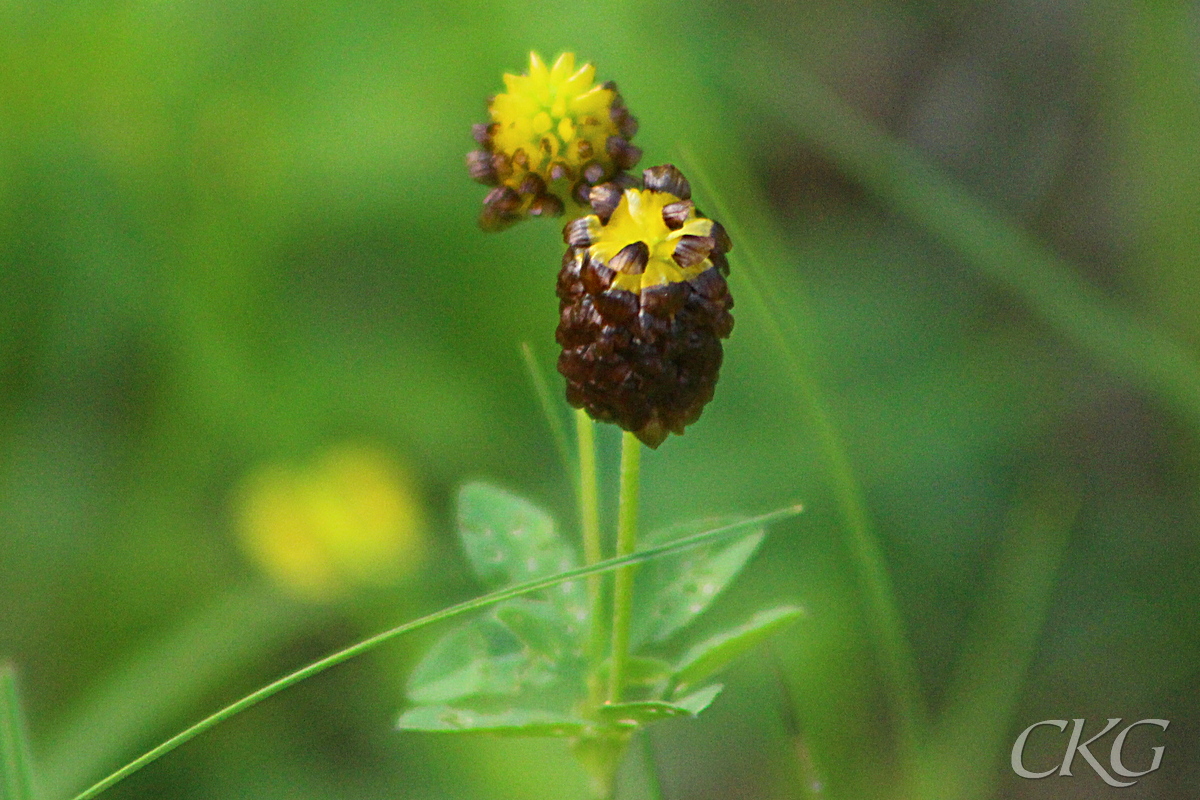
554,135
352,517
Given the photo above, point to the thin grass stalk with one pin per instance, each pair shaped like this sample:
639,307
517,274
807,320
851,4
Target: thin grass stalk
465,607
16,767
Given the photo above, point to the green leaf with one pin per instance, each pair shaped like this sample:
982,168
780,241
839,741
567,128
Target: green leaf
511,722
671,592
16,770
640,713
509,540
713,654
480,658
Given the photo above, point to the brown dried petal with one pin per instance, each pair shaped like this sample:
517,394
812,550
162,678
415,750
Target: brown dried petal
483,133
546,205
479,165
502,200
604,200
724,243
576,233
520,158
584,148
503,165
667,178
559,171
594,172
631,259
623,154
675,214
532,184
691,250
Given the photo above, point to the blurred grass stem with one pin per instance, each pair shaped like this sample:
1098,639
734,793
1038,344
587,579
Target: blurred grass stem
16,767
883,617
557,430
627,511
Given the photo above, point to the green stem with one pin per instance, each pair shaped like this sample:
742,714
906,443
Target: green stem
589,513
16,770
623,581
490,599
653,781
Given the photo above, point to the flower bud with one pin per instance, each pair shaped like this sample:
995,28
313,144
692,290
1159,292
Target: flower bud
554,134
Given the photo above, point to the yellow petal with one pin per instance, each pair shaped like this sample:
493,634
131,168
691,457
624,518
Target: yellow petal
564,65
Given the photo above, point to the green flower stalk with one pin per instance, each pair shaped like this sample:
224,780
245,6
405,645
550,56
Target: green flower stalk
643,306
554,134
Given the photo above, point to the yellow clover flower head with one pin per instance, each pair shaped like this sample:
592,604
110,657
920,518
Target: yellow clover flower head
643,306
352,517
554,134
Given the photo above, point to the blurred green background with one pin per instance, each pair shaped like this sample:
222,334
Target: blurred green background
236,234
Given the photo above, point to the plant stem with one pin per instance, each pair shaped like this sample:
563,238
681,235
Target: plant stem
653,781
490,599
589,514
623,581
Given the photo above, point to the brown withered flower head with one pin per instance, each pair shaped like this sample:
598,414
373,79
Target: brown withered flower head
643,306
553,135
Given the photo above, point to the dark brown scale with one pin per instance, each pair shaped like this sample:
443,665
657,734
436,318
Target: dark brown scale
560,171
596,276
584,149
483,133
502,164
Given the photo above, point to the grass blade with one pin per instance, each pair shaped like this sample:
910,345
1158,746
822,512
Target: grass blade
458,609
558,431
16,769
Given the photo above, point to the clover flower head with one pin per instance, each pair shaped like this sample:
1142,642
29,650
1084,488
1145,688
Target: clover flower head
554,134
643,305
